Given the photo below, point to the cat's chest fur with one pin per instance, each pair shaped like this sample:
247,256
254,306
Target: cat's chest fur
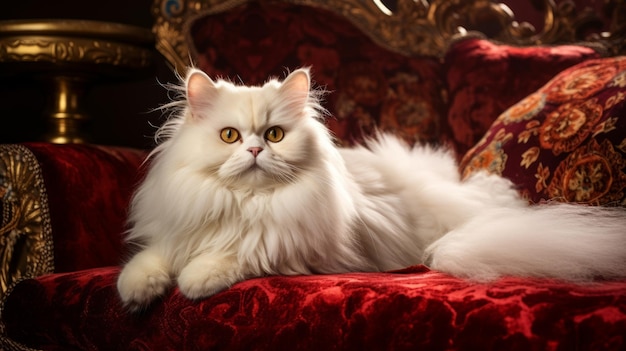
260,226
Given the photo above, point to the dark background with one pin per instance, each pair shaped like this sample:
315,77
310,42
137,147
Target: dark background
122,112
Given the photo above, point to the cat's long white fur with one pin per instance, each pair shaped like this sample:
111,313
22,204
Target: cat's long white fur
480,228
210,214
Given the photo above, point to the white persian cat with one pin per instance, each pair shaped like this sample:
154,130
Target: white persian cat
248,182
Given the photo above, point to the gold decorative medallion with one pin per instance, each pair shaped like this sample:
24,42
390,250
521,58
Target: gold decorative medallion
25,230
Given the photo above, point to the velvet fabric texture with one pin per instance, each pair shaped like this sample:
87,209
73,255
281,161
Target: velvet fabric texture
484,79
89,188
368,86
413,309
566,141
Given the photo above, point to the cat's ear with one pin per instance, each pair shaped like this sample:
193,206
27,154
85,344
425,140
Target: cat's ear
298,81
201,92
295,88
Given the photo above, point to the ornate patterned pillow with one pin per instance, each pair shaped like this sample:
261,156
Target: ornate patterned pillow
564,142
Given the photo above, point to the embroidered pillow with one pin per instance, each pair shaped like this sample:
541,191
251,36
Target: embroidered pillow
564,142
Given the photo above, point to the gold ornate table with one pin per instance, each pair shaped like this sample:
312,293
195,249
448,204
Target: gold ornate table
70,55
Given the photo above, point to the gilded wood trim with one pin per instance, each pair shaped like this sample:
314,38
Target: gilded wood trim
25,230
415,28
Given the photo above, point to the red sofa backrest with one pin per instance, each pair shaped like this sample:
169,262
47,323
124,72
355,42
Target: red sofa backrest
368,86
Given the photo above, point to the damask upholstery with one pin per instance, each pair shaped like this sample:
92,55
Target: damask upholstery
412,309
368,86
484,78
501,107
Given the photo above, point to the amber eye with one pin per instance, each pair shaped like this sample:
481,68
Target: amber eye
274,134
229,135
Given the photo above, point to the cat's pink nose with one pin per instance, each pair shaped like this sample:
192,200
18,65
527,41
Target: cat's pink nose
255,150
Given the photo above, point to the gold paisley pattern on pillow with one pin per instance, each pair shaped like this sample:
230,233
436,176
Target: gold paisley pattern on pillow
525,109
590,173
567,126
564,142
492,157
580,84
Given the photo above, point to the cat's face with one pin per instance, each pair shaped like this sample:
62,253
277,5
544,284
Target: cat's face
250,137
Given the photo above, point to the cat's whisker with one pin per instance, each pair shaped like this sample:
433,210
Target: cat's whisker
210,217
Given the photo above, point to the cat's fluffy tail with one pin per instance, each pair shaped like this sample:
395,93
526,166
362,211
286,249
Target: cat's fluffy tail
565,241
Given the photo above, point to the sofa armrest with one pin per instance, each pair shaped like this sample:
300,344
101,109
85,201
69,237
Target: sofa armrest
25,230
63,207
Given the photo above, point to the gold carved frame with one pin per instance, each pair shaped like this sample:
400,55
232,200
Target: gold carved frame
415,28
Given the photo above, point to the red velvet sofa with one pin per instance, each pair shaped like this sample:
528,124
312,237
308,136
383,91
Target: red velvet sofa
550,117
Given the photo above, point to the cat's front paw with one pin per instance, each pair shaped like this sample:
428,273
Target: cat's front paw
204,277
141,281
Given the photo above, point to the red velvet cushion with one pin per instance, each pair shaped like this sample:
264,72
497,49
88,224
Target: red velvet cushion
566,141
368,85
409,310
485,78
88,190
